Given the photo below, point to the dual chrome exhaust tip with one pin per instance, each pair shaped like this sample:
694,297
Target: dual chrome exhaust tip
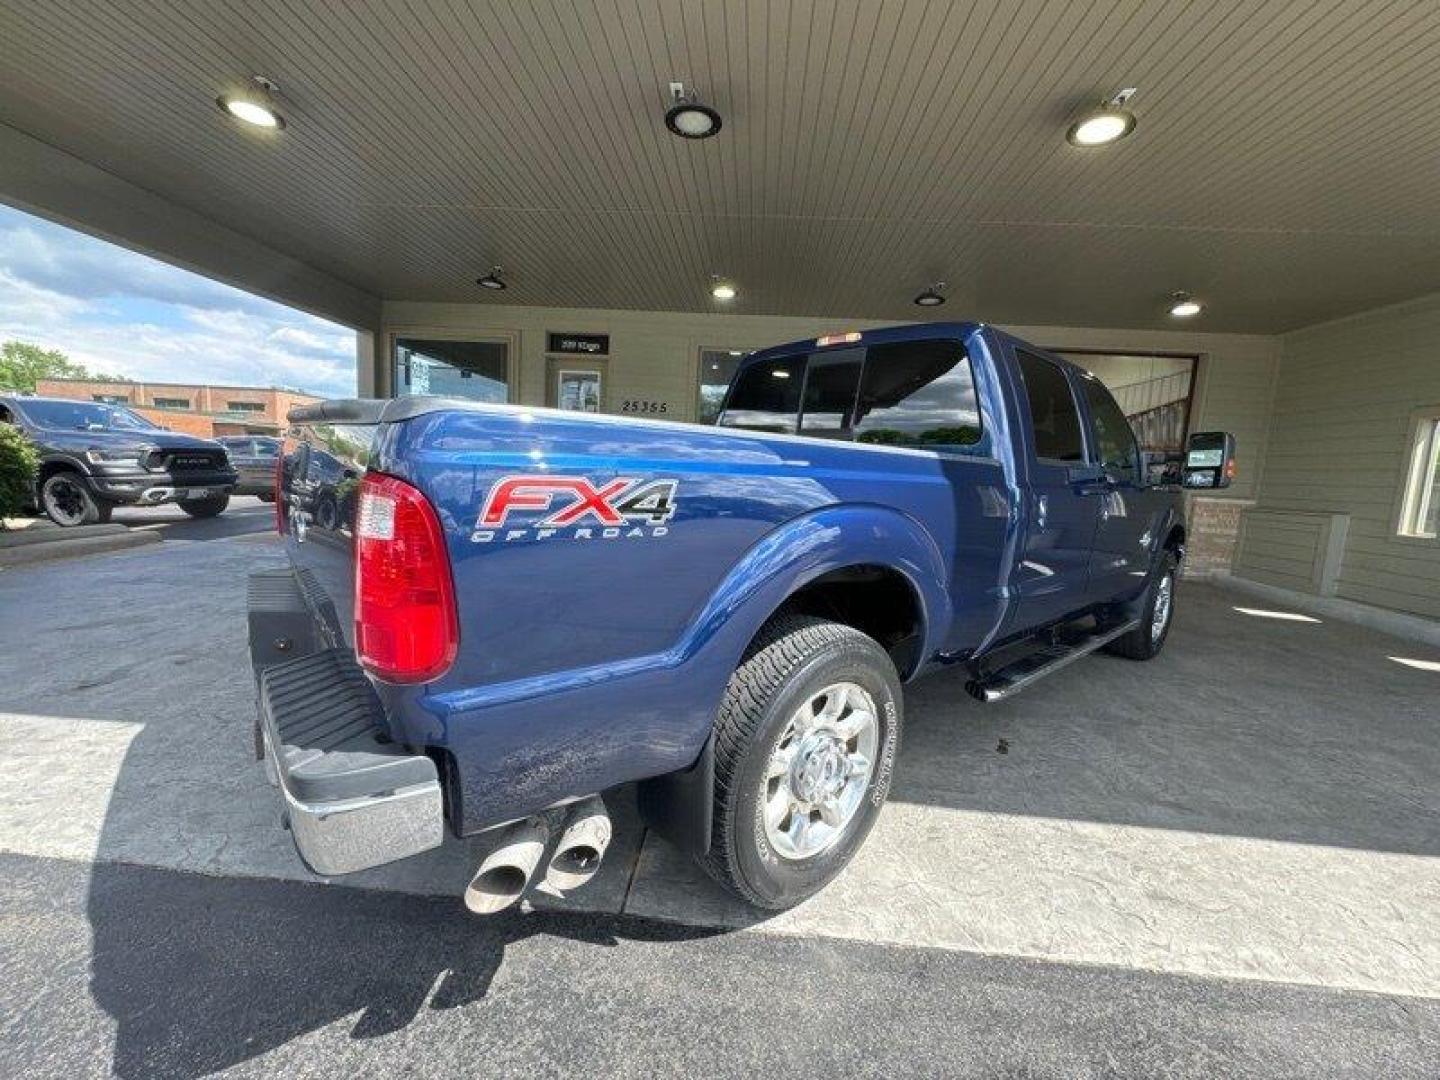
508,871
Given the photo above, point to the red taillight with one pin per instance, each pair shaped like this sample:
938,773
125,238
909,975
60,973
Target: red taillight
405,625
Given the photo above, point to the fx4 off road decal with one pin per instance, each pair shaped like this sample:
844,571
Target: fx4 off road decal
571,507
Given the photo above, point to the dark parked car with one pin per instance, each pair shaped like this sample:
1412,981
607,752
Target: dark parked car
254,458
95,457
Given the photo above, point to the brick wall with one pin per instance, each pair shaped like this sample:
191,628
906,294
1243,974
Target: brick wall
189,423
1212,531
275,404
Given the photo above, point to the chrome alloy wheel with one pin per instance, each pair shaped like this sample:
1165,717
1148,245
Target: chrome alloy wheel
1161,617
819,770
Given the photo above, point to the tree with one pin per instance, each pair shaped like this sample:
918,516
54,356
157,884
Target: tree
21,364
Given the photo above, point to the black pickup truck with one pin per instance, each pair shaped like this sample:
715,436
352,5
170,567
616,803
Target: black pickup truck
95,457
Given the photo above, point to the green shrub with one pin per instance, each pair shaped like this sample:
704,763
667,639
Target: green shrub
19,463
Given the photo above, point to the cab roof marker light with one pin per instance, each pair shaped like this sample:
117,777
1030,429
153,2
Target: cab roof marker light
838,339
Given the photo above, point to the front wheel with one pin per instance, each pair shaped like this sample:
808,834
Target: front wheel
805,743
205,508
68,502
1156,615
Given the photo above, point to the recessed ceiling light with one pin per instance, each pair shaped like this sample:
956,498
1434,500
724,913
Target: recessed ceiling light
688,117
492,280
723,290
1104,125
254,106
1184,306
931,297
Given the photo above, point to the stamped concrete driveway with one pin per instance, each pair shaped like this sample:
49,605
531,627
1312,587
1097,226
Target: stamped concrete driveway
1261,802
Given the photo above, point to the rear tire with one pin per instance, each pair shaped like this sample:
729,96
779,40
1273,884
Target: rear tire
1156,616
205,508
810,724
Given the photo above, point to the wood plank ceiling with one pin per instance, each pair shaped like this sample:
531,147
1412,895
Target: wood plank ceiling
1286,166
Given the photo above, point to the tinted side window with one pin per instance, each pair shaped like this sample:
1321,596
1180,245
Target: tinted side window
830,383
918,393
766,396
1114,437
1052,410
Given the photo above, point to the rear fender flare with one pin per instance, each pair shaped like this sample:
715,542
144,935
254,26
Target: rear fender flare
797,553
679,805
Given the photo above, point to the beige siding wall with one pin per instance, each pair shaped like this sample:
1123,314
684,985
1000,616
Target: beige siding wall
1339,444
654,355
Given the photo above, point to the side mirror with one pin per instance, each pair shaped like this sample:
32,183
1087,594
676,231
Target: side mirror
1209,459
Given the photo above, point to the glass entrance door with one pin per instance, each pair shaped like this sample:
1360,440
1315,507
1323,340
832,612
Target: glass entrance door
441,367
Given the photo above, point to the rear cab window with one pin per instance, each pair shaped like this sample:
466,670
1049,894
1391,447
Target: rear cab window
1054,416
918,394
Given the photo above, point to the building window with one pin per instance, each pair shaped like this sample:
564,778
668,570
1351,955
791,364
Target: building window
1420,513
477,369
111,399
1154,394
717,369
245,406
172,403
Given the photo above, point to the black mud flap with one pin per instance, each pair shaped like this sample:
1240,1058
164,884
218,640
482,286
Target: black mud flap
680,806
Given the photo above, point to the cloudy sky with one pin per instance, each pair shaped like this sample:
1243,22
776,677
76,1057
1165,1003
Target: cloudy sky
126,314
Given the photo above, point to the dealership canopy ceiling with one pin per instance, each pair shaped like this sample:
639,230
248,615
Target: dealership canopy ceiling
1285,167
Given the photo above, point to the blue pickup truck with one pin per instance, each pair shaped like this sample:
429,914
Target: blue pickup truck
521,609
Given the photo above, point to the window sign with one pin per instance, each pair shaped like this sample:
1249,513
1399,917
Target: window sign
578,391
580,344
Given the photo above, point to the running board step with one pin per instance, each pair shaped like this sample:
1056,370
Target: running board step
1032,667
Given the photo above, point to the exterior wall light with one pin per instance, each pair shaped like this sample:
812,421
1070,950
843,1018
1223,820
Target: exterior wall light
255,105
1184,306
492,280
1108,123
688,117
931,297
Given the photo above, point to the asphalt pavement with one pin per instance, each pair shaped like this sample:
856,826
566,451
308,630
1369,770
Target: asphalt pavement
1076,905
245,515
148,972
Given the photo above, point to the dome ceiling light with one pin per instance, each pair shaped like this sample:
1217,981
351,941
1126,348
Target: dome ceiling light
1108,123
492,281
722,289
688,117
1184,306
931,297
255,106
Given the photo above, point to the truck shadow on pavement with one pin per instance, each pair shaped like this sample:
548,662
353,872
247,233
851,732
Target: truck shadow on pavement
202,973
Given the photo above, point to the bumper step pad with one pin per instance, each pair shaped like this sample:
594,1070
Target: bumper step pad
354,799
